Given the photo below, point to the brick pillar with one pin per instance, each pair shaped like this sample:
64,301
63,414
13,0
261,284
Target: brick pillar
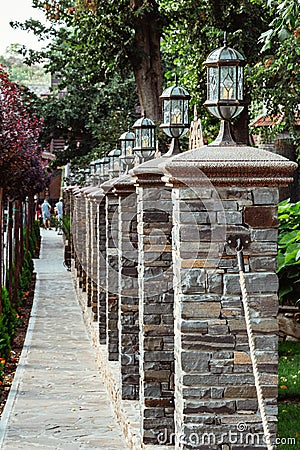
112,261
101,267
156,301
87,211
220,194
88,248
96,197
80,239
128,288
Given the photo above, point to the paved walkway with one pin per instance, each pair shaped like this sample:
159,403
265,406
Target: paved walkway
57,400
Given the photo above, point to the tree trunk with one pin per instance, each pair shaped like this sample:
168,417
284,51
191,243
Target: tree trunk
240,129
284,146
16,253
146,59
10,250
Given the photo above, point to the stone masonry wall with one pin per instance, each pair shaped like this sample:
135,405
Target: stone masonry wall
112,261
94,257
81,244
215,391
156,302
88,250
101,270
128,297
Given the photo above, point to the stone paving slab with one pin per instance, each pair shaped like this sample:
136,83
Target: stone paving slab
58,399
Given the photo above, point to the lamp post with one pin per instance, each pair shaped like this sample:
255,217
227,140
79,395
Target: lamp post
127,157
175,112
114,163
225,88
144,146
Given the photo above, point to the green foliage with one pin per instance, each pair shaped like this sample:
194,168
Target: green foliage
66,226
288,426
289,369
289,252
21,73
289,389
276,76
8,324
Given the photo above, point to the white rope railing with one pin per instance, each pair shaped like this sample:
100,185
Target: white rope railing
256,374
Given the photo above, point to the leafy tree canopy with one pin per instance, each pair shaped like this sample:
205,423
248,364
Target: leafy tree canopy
105,59
276,76
21,170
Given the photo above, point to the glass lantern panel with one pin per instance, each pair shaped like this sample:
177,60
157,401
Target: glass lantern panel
128,148
214,111
213,82
227,83
184,131
185,112
240,83
138,133
227,53
227,111
146,138
168,132
123,147
148,154
166,112
116,165
177,111
239,109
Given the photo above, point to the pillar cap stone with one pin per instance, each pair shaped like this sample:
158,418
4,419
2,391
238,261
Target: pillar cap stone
228,166
107,185
150,172
72,189
124,185
96,195
83,191
89,190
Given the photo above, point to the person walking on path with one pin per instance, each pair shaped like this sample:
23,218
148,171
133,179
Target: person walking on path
59,211
46,209
58,399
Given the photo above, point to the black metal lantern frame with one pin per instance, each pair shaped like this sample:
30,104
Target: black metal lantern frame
175,115
225,88
144,146
127,140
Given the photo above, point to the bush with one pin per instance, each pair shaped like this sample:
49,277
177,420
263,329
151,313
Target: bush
289,252
8,325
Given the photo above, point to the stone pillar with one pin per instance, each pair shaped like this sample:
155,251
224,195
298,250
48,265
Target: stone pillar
128,288
101,266
80,239
156,302
112,261
88,238
95,198
88,247
219,195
